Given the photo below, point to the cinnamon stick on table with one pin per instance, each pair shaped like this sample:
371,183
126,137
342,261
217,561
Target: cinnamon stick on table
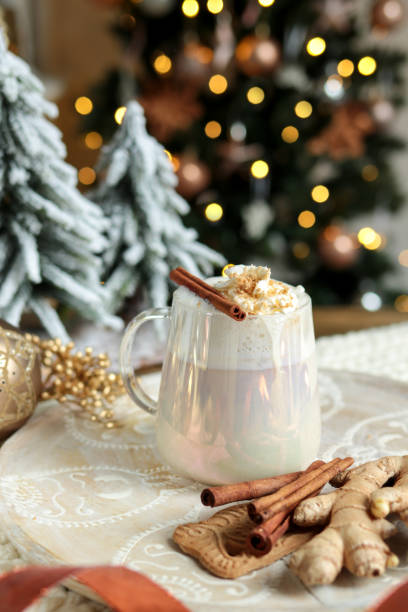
262,538
225,494
263,508
206,292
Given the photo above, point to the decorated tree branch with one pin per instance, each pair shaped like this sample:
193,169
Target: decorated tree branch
146,235
50,235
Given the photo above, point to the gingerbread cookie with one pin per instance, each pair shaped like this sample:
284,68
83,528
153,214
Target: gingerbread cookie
219,543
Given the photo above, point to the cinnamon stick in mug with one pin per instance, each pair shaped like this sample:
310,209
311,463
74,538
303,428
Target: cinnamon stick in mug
250,489
206,292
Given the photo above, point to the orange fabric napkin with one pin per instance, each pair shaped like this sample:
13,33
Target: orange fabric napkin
122,589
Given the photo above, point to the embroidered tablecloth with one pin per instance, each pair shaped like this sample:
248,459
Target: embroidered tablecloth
370,428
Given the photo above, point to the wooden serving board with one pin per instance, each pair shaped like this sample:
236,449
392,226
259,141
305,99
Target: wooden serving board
73,492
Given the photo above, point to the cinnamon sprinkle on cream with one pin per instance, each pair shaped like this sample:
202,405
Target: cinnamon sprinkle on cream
252,288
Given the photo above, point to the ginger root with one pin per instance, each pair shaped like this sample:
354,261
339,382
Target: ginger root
356,524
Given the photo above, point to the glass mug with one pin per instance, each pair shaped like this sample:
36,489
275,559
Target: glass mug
237,400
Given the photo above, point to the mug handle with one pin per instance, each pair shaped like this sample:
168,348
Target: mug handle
133,387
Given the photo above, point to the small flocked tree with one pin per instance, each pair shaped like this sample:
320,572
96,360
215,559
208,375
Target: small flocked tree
146,234
50,235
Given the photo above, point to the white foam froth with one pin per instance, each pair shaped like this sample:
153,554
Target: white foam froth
259,342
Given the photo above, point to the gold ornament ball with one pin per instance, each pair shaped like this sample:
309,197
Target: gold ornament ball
257,56
20,378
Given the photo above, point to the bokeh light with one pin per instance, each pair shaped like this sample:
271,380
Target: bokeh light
255,95
259,169
119,114
83,105
93,140
316,46
401,303
301,250
238,131
303,109
345,68
230,265
266,3
212,129
369,172
190,8
290,134
403,258
320,193
371,301
86,175
218,83
333,87
367,65
306,219
369,238
162,64
213,212
215,6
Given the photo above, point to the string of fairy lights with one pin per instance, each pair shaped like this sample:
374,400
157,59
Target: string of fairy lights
334,87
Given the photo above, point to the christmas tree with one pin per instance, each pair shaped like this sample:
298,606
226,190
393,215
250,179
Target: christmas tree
146,234
49,233
276,115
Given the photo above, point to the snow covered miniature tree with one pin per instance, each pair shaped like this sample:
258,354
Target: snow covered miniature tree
146,235
50,235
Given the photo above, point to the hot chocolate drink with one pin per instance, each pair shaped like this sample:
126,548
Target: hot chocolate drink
239,399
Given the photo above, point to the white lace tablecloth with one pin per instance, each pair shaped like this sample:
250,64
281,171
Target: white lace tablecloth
379,351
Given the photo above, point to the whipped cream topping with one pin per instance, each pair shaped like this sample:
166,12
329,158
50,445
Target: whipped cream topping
253,289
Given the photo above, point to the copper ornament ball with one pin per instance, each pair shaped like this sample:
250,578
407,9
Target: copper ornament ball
338,249
194,176
387,14
257,56
20,378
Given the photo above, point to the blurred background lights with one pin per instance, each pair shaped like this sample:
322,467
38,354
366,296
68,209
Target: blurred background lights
371,301
212,129
306,219
119,114
218,83
266,2
401,303
238,131
255,95
162,64
345,68
343,243
290,134
369,238
191,171
215,6
333,87
392,10
369,172
403,258
301,250
83,105
175,161
213,212
86,175
320,193
93,140
316,46
190,8
367,65
259,169
303,109
230,265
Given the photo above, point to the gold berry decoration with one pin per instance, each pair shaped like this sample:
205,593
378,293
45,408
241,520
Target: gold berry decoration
79,377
